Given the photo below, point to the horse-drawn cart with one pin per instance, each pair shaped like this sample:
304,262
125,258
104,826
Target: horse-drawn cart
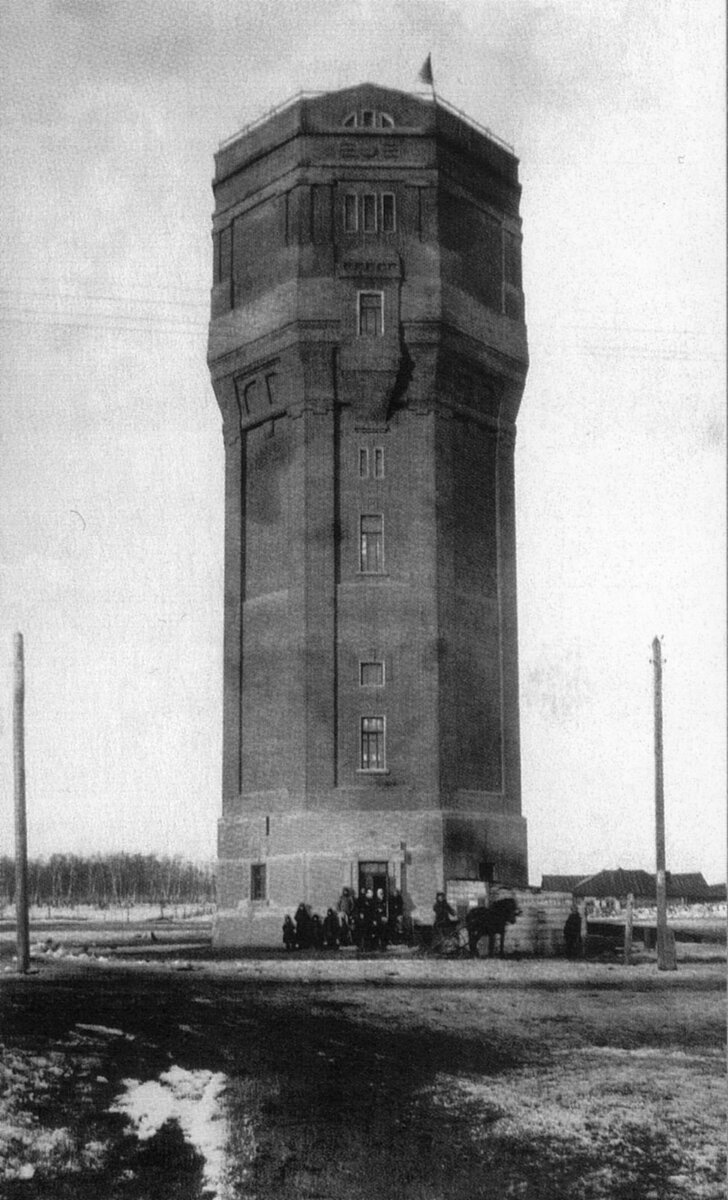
477,934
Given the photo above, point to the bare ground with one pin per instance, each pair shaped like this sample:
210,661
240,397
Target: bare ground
390,1077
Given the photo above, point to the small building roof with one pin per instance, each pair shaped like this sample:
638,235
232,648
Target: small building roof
689,887
716,892
620,883
606,884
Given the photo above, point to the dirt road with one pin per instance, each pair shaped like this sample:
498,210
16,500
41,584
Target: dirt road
385,1079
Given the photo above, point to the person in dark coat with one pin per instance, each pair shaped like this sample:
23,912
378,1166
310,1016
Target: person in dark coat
445,916
317,932
303,927
396,916
379,922
289,933
364,916
345,909
572,933
332,930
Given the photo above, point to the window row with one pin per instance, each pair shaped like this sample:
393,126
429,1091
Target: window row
368,118
369,212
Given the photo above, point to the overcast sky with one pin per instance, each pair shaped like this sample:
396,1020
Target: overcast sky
111,493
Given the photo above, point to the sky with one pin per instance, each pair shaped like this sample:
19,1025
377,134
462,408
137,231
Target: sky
111,454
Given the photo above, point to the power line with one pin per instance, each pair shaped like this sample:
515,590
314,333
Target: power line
118,325
23,296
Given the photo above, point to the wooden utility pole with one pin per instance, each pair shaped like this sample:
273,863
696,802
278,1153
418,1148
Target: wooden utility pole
21,830
665,942
628,930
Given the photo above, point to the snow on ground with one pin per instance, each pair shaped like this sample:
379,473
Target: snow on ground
26,1146
607,1105
193,1100
41,914
106,1029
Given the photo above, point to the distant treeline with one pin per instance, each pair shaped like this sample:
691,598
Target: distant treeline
68,880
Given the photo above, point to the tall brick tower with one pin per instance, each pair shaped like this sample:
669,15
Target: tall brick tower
368,353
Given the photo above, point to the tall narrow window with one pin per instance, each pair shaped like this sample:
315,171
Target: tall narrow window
371,559
388,218
367,119
378,462
226,251
257,881
371,319
363,463
372,756
512,258
369,213
351,204
250,396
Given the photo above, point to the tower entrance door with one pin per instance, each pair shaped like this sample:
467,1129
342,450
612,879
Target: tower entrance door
375,875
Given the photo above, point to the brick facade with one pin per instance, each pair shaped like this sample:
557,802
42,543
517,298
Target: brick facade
368,353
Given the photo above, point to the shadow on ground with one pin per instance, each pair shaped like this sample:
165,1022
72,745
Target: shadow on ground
340,1107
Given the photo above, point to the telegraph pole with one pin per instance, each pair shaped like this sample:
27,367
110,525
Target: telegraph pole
21,831
665,943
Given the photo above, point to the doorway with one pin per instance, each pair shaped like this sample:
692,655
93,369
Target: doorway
375,875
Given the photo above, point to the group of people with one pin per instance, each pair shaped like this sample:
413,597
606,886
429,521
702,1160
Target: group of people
369,921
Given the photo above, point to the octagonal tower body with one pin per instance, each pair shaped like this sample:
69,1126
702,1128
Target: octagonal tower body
368,352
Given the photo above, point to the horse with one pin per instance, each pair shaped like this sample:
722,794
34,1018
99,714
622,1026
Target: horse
489,922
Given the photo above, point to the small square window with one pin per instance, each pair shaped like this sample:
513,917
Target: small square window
351,207
371,552
371,674
388,219
378,462
363,463
257,881
372,756
371,314
369,213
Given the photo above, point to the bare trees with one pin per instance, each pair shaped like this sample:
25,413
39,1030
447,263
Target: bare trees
119,880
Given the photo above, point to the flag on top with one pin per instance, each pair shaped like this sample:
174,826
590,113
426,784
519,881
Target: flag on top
425,75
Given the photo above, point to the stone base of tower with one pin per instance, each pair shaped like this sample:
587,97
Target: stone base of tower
268,865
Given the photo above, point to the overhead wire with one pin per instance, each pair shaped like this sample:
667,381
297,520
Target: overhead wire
151,312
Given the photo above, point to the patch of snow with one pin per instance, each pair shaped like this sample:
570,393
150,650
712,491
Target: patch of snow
100,1029
192,1098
